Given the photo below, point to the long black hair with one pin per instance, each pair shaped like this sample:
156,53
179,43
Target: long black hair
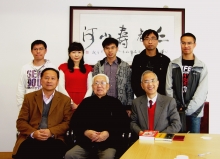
75,46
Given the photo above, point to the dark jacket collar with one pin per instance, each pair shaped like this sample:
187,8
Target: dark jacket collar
96,97
143,53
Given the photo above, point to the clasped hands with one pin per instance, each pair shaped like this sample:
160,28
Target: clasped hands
95,136
42,134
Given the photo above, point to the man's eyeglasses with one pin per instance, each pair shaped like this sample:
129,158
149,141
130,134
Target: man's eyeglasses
150,39
149,81
36,49
100,83
187,43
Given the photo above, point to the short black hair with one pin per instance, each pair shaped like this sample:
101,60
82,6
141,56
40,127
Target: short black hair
109,41
52,69
148,32
37,42
190,35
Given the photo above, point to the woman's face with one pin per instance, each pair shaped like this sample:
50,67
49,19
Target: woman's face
76,56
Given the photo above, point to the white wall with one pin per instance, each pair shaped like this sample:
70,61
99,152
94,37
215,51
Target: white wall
22,22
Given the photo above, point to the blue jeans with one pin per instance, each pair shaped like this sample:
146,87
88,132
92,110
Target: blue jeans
193,124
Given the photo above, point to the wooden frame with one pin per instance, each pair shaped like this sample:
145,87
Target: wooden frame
90,25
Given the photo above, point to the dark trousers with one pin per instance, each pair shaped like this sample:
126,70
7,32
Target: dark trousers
35,149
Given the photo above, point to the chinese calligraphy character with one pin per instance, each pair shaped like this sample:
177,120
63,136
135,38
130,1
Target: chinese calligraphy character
123,36
139,35
89,33
159,34
105,35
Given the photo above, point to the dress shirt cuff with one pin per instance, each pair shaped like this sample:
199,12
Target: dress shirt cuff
32,135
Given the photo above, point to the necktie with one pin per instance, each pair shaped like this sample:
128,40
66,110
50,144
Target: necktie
151,102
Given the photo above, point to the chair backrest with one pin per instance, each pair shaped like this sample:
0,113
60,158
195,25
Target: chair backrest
204,128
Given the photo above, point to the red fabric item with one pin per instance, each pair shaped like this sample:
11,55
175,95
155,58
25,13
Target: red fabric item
75,82
151,116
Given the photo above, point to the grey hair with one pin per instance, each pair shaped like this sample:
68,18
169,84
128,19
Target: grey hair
100,74
147,72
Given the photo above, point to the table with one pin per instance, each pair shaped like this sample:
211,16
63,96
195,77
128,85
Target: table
192,145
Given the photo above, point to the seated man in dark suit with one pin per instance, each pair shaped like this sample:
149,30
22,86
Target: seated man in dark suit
154,111
98,123
43,121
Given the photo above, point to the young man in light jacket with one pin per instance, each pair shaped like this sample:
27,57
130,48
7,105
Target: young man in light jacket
187,82
30,73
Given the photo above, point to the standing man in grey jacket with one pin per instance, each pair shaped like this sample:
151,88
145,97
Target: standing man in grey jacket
119,73
187,82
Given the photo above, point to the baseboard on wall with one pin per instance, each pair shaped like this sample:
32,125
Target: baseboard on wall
5,155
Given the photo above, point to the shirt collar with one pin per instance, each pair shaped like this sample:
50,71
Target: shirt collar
153,99
116,61
44,96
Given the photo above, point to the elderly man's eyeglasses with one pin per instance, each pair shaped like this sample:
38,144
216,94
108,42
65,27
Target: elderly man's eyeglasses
100,83
150,81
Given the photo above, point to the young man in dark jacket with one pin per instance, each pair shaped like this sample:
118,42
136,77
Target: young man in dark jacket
149,59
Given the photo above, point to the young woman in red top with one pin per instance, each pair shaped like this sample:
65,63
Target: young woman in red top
75,76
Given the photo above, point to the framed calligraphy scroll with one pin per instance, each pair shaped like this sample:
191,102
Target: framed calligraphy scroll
91,25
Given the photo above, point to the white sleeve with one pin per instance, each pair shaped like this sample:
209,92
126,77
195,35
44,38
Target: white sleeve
169,81
49,64
61,85
21,90
89,85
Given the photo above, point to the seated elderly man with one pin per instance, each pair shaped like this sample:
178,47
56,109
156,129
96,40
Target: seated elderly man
98,123
154,111
43,121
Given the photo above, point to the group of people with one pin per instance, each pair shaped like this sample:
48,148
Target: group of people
98,103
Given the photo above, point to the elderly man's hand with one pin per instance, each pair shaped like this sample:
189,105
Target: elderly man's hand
103,136
140,132
96,136
92,135
129,113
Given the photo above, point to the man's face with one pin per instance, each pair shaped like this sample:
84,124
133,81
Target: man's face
39,52
100,86
150,42
49,81
150,84
187,45
110,51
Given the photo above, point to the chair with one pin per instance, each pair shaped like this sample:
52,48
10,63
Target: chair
204,128
68,137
